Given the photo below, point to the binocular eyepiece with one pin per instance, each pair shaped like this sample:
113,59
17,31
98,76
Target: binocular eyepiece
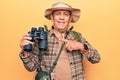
40,35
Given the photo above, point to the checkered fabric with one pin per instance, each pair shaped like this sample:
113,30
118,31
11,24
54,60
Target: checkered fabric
75,57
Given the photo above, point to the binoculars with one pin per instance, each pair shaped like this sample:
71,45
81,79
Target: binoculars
40,35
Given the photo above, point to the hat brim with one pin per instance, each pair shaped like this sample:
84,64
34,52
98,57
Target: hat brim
75,13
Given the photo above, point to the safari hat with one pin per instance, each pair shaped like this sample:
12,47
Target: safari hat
63,6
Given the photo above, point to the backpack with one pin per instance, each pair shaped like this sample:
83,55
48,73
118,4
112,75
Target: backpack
76,35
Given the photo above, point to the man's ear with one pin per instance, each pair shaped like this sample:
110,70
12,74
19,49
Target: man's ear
70,19
51,16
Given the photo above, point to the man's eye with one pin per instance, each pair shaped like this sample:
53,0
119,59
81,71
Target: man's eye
66,14
57,13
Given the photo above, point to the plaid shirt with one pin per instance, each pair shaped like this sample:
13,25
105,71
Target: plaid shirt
75,57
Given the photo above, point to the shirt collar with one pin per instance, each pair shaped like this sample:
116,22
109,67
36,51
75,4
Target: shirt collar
51,33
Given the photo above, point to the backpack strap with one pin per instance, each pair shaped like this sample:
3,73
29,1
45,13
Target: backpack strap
76,35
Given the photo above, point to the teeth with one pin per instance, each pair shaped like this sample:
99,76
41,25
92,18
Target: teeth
60,22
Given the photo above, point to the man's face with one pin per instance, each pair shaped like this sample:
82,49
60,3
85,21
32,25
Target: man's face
61,20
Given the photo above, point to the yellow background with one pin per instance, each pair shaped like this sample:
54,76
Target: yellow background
99,24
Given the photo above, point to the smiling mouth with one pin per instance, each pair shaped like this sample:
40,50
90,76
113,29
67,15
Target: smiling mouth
61,22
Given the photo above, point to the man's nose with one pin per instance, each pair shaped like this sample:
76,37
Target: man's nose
61,16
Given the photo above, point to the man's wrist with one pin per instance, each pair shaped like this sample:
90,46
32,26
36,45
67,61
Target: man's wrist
84,49
24,58
85,46
24,54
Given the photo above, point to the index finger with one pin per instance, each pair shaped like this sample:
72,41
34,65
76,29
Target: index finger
63,40
26,35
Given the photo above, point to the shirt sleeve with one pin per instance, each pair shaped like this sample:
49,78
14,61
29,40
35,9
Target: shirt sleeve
93,56
31,62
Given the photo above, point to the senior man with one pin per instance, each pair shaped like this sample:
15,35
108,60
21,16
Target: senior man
69,65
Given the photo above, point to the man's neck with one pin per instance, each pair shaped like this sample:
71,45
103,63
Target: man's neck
59,35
